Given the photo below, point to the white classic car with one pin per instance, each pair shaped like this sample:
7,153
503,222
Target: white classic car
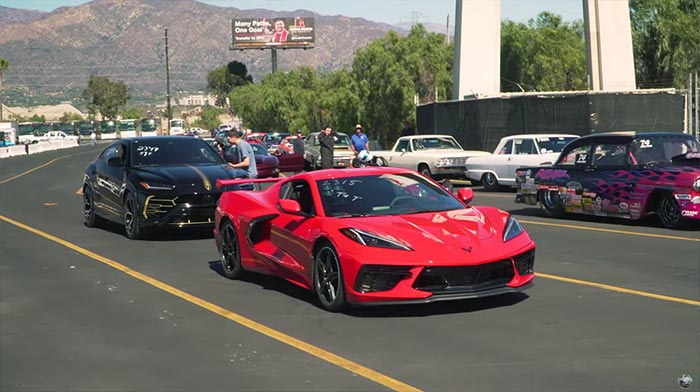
436,156
513,152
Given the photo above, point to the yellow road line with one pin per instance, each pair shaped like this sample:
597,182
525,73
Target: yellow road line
589,228
618,289
40,166
318,352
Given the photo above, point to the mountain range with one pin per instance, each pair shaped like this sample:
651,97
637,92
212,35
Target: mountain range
52,54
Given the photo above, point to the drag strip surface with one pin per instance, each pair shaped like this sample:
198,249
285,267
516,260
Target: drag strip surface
61,311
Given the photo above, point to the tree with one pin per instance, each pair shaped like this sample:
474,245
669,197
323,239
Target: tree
281,102
666,40
224,79
209,118
339,101
385,87
4,66
544,54
104,96
129,113
70,117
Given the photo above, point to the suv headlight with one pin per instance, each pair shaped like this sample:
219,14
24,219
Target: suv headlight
369,239
152,186
513,229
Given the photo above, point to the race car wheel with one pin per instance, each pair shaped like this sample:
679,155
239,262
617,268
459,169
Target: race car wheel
490,181
551,203
424,170
328,279
89,217
132,220
669,212
230,252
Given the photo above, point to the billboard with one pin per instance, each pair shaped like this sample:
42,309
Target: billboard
283,33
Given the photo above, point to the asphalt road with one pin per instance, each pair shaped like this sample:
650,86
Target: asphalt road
616,308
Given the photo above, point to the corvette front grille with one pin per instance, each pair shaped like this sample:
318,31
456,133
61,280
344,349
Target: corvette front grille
525,262
465,278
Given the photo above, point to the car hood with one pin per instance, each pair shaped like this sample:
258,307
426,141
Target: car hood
186,178
453,232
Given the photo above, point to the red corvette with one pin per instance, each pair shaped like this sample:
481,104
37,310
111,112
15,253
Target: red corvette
376,235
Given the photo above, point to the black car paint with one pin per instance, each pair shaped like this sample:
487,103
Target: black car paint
192,199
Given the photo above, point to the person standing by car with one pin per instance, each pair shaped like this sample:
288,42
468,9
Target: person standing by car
93,138
326,139
359,141
298,143
243,159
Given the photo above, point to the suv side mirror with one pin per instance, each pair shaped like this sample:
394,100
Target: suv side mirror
114,161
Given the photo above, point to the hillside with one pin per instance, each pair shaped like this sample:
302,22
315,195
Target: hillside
12,15
53,54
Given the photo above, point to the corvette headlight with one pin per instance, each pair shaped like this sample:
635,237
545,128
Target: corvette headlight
154,186
513,229
696,185
369,239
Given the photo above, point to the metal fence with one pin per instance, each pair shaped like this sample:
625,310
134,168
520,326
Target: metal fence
481,123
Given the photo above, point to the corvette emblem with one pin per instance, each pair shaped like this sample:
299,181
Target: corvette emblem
469,249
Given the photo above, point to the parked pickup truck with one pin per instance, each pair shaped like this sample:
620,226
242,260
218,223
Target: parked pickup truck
436,156
51,135
498,169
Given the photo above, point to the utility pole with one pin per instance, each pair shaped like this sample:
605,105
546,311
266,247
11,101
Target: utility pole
447,30
274,59
168,113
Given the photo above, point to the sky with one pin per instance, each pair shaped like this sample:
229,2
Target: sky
387,11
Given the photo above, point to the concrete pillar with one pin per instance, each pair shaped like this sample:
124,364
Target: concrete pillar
477,60
609,45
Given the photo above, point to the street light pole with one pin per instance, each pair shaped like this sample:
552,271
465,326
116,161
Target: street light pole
167,81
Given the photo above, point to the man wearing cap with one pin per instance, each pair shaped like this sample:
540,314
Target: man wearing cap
242,160
298,143
359,141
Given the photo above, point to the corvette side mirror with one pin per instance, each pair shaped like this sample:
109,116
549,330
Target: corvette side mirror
465,194
290,206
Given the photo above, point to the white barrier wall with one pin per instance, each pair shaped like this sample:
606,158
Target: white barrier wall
22,149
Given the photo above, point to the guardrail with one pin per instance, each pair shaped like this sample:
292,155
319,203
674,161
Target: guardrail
24,149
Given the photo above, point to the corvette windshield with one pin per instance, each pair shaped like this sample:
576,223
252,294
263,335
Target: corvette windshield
173,151
384,194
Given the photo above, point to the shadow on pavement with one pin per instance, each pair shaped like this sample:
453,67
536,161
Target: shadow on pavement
281,286
162,234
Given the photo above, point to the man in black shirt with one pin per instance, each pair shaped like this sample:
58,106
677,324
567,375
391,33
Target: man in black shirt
326,139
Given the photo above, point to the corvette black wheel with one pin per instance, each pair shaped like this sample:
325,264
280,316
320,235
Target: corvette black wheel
669,212
551,202
132,218
230,252
328,279
89,217
490,182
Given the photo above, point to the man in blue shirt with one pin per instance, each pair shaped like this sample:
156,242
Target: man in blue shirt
243,158
359,141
